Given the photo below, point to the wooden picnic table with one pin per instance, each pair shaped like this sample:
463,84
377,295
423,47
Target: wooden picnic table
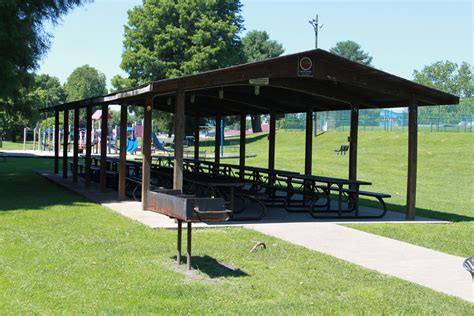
309,186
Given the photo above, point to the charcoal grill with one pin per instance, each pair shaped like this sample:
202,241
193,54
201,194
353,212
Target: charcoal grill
187,208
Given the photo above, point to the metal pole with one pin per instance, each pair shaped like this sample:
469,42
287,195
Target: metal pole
315,23
188,250
180,230
34,139
24,138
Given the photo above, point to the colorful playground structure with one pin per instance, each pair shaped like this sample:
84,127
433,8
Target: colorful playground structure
43,139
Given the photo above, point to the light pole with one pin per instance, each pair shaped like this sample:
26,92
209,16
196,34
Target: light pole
314,22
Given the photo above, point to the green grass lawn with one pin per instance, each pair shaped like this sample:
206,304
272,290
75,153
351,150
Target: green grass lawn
6,145
62,254
445,188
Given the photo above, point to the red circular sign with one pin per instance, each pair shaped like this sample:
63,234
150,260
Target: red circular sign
306,63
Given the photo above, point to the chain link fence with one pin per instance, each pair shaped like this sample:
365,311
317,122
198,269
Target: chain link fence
388,120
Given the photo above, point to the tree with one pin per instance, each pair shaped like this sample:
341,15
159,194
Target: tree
23,40
167,39
48,91
22,110
452,78
447,76
257,46
85,82
16,111
353,51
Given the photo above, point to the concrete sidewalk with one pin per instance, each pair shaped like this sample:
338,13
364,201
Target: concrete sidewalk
436,270
439,271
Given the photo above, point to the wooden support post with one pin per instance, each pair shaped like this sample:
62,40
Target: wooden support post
56,142
217,144
308,157
188,248
353,140
88,161
412,159
243,125
75,154
146,150
65,141
123,153
179,120
271,142
103,147
196,138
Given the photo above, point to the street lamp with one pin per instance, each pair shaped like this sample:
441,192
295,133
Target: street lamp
316,27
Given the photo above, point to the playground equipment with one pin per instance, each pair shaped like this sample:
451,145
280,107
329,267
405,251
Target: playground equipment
156,142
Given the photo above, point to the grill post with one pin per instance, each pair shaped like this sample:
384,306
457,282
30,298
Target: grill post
180,230
188,250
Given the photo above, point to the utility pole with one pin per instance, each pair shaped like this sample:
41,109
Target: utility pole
314,22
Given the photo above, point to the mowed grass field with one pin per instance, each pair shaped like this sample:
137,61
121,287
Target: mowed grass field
445,188
7,145
61,254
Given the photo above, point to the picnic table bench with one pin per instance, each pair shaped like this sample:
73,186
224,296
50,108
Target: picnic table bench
342,150
312,188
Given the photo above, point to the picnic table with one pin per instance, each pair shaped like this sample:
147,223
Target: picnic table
278,188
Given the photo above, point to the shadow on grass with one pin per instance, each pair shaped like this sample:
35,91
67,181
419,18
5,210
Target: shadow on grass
440,215
213,268
22,189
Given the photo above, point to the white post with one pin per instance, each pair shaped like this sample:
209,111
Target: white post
39,140
24,138
34,139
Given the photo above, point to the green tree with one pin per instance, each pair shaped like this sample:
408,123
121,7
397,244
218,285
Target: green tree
48,91
22,110
447,76
17,112
167,38
257,46
85,82
353,51
452,78
23,40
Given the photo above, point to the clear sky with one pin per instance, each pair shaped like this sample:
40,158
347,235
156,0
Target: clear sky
400,35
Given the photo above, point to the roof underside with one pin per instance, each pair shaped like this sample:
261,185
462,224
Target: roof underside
331,83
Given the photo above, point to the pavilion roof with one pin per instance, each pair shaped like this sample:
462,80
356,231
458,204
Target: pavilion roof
314,79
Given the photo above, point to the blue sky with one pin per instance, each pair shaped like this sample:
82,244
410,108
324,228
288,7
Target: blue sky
400,35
